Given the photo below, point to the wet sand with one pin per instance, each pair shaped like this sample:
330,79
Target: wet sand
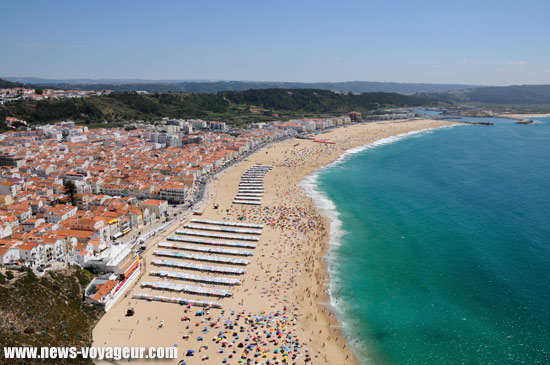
283,300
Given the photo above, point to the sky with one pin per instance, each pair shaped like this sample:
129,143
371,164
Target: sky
482,42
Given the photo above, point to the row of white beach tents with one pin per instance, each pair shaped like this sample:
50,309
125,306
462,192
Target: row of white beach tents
211,242
199,267
252,182
228,223
217,235
199,257
246,202
247,197
215,280
254,191
181,301
251,193
216,250
189,289
206,227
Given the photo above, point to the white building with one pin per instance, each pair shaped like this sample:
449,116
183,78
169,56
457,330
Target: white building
59,213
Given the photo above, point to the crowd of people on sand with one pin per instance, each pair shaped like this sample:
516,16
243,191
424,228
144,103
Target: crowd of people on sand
303,156
286,217
245,338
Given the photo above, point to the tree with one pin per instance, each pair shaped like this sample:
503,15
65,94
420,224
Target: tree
9,275
70,187
39,91
17,125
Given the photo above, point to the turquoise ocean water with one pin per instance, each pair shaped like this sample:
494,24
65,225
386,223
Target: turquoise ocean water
440,250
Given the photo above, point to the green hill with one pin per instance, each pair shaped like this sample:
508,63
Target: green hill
320,101
516,95
243,106
4,84
46,311
522,94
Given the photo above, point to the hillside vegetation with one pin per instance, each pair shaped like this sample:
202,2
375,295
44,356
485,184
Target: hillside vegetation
46,311
517,95
250,105
523,94
9,84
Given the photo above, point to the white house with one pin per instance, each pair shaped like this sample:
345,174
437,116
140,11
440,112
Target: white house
9,254
59,213
5,230
31,253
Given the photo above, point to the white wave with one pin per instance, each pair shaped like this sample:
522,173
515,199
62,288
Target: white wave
384,141
324,204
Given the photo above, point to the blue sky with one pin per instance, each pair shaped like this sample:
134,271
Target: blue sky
474,42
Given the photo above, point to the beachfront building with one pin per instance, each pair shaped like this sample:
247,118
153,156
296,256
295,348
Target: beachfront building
100,291
116,259
120,268
174,193
355,116
158,207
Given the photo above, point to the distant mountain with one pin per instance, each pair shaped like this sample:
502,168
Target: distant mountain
212,86
517,94
448,93
11,84
499,95
42,81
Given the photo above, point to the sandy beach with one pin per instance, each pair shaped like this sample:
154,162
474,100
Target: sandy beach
526,115
281,310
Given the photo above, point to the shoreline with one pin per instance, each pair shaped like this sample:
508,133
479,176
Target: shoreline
290,261
326,208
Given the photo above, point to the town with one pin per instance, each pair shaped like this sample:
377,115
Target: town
21,93
70,195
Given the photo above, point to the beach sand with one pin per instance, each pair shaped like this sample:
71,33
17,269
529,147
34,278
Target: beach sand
287,273
521,116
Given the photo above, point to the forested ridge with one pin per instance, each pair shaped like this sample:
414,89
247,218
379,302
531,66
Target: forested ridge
250,105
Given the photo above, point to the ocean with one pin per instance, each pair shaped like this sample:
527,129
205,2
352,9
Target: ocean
440,245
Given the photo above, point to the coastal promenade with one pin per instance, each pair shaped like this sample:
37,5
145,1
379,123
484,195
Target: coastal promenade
284,288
